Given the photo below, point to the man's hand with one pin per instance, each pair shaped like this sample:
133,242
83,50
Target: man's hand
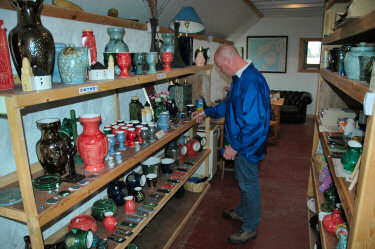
229,153
198,115
227,88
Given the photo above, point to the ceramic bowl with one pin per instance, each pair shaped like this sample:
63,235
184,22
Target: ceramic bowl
151,165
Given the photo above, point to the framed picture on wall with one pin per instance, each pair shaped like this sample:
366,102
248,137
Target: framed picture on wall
268,53
240,51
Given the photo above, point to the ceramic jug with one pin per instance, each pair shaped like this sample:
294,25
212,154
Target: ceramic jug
109,222
164,123
73,63
352,62
129,204
350,158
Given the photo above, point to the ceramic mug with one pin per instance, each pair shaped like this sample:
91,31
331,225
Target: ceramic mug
167,166
152,180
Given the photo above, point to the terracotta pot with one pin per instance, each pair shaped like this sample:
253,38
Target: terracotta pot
83,222
109,222
92,143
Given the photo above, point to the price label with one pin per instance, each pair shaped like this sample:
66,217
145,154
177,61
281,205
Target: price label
160,134
88,89
161,76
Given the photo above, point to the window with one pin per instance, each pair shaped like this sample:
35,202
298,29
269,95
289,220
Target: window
309,55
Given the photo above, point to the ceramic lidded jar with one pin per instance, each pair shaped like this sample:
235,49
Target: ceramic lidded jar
116,44
31,39
79,239
51,147
352,63
73,64
100,207
92,144
164,123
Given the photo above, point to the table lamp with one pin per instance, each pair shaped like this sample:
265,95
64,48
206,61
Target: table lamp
189,22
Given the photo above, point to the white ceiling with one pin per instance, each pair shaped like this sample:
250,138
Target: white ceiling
222,18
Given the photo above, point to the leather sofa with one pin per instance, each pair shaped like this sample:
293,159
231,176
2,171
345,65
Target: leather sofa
294,108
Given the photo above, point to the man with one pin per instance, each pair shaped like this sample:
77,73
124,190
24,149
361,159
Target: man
247,116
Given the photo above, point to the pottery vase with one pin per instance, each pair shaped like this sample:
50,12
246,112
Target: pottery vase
73,63
84,222
117,191
56,74
139,194
151,131
111,144
116,44
124,61
109,222
167,58
92,144
31,39
330,221
144,136
129,205
139,60
130,137
151,59
88,39
163,122
51,147
352,62
168,45
78,239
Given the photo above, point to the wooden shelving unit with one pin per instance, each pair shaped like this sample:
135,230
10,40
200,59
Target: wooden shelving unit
358,204
30,211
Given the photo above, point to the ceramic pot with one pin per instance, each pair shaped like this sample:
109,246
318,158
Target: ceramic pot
139,195
73,63
167,58
134,180
100,207
109,222
124,61
350,158
173,151
51,148
92,144
168,45
151,165
78,239
56,74
139,61
151,59
83,222
167,166
31,39
129,205
116,44
330,221
163,122
117,191
352,62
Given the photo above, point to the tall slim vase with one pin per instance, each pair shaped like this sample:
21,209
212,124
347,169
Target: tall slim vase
177,59
154,45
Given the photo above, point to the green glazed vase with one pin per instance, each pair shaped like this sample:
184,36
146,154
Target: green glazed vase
79,239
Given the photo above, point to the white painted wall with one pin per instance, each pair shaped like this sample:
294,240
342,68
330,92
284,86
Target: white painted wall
67,32
295,28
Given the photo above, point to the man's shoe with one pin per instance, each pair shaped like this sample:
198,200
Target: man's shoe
242,236
232,215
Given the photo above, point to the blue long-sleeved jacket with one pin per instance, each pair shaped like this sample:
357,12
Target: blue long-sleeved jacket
247,111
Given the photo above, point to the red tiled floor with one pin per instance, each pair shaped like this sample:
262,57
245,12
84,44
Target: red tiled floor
283,178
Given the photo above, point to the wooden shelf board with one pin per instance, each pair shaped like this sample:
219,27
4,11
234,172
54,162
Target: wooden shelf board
131,158
347,197
354,89
357,31
329,241
121,216
66,91
77,15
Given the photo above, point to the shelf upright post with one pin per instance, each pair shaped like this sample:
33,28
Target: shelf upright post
23,170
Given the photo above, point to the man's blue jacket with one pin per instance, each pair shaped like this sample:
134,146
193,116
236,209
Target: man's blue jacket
247,111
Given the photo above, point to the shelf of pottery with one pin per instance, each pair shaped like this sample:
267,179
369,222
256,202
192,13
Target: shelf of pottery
340,193
123,157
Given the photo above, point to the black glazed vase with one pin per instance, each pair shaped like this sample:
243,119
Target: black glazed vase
52,149
117,191
30,39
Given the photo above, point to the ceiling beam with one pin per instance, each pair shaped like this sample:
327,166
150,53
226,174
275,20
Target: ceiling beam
291,6
255,9
259,3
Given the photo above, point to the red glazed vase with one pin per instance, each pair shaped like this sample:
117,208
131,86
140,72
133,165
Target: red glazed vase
92,144
83,222
167,58
330,221
131,137
138,132
109,222
124,61
129,204
88,39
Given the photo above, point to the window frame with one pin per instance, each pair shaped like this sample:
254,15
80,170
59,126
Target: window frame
303,54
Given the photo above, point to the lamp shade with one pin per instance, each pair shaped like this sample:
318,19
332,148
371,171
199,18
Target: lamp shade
188,14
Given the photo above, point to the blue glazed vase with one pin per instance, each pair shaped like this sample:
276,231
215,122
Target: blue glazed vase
117,191
164,123
168,45
56,73
73,63
116,44
352,63
151,59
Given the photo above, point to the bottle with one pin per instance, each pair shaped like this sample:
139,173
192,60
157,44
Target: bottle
135,109
148,112
88,39
325,59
